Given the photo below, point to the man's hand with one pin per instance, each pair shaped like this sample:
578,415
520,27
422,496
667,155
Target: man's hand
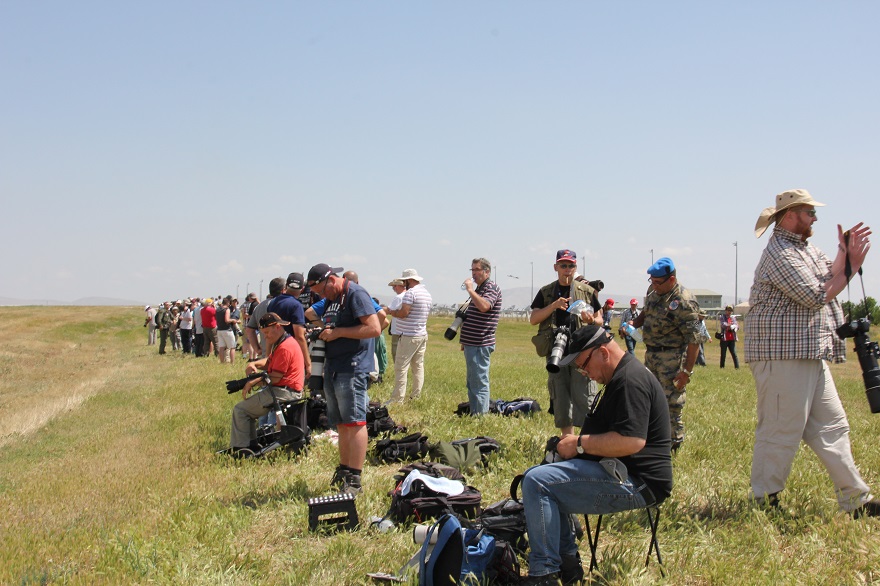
329,334
561,303
469,285
567,446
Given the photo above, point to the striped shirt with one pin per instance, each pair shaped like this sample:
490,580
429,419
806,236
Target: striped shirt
789,319
415,324
478,328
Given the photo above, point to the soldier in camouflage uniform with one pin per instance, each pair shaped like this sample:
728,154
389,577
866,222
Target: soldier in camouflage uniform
670,325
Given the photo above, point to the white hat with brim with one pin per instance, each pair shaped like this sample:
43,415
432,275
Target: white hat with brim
785,200
411,274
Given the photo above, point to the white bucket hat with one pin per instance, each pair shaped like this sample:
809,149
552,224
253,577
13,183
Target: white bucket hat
411,274
785,200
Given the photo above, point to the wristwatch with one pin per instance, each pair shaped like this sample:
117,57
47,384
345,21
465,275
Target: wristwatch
580,448
688,372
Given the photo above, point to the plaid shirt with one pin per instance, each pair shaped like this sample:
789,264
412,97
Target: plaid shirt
789,319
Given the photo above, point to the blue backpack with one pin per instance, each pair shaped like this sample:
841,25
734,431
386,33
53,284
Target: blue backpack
457,556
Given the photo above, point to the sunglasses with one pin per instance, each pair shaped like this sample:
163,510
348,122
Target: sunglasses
567,265
582,367
811,213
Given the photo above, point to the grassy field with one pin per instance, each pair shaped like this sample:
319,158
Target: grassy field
108,473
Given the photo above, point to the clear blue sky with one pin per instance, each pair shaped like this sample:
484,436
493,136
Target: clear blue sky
157,150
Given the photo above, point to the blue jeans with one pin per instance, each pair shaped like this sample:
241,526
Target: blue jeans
630,344
552,492
477,360
346,395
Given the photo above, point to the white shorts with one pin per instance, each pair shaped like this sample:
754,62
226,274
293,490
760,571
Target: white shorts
225,339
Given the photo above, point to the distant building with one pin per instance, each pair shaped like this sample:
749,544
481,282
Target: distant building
709,301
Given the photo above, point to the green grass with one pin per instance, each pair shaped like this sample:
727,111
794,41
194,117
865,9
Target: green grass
108,473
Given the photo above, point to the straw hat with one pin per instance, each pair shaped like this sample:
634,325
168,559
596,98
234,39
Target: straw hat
785,200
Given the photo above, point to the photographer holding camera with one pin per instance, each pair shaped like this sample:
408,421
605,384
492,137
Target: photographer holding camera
284,376
571,393
478,332
791,334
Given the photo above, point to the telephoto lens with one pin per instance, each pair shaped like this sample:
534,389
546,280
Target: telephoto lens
317,352
560,343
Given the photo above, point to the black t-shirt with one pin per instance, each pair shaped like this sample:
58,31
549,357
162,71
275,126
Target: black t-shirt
633,405
562,316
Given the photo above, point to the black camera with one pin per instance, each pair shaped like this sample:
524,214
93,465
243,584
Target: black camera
233,386
452,330
868,352
561,336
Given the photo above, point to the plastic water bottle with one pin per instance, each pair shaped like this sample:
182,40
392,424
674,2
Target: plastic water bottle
383,525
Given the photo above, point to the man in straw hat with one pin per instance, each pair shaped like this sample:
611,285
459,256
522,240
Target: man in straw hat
794,312
412,322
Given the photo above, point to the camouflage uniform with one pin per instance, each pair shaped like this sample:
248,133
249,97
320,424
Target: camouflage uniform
672,321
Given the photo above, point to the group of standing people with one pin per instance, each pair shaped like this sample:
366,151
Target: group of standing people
196,326
621,458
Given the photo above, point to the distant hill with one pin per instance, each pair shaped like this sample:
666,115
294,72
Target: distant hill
81,301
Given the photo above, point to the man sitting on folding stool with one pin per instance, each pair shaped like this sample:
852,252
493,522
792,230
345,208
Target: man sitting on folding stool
285,373
620,460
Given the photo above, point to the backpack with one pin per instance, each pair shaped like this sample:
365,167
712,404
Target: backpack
464,408
465,454
317,412
411,447
379,422
440,562
506,520
518,406
422,502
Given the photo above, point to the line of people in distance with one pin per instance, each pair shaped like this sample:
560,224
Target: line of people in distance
202,327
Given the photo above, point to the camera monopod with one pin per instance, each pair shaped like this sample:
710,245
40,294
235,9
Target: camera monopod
867,351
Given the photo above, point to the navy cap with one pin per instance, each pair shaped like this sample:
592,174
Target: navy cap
566,254
662,268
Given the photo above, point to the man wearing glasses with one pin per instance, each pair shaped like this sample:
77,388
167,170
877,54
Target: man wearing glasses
619,461
791,338
671,329
352,324
285,374
571,393
478,332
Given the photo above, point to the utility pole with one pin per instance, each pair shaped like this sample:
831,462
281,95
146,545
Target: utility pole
736,276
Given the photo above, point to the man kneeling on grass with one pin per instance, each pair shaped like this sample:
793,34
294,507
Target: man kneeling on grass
620,461
285,370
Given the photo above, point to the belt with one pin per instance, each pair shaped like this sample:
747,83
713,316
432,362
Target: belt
662,348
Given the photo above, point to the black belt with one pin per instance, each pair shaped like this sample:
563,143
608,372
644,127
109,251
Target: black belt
662,348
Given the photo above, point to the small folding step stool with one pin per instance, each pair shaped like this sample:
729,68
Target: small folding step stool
340,506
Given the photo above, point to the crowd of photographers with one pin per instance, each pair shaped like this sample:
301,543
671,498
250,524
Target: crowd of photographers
622,454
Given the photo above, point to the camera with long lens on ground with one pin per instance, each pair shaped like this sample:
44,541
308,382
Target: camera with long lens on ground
452,330
317,353
561,336
868,352
233,386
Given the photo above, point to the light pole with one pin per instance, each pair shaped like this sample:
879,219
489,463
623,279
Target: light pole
236,291
261,289
247,288
652,256
532,293
736,275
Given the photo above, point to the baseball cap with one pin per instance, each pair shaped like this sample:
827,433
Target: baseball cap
566,254
584,338
320,272
271,319
295,281
610,302
633,301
